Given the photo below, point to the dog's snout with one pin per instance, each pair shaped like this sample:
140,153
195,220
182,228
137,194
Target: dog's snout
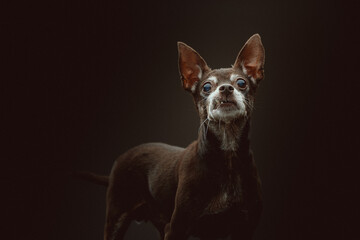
226,88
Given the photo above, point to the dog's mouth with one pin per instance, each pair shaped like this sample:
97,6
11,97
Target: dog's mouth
225,109
226,104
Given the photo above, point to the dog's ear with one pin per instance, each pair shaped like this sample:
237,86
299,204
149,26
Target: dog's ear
191,66
251,58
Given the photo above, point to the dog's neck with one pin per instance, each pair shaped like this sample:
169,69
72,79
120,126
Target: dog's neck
224,140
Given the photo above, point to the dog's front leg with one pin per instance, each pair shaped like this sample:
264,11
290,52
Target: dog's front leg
180,224
187,210
178,227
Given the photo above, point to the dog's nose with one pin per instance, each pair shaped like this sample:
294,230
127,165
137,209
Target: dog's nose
226,88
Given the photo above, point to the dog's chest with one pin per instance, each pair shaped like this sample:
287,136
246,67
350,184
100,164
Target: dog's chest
228,195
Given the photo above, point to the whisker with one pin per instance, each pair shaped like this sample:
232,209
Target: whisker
249,104
207,127
205,130
201,125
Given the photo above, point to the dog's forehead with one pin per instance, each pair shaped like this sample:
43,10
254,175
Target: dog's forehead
222,74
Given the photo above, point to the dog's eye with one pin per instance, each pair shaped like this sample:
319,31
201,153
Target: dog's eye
241,83
207,87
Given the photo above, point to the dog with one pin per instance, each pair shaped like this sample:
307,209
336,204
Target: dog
210,189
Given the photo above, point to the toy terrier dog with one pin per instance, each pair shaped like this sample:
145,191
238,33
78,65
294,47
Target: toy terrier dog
210,189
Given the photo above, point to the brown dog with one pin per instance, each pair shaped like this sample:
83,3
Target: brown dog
210,189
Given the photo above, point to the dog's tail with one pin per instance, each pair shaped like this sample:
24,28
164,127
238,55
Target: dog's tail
92,177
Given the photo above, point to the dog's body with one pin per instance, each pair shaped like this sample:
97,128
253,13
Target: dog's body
210,189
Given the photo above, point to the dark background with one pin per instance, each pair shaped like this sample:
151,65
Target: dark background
86,80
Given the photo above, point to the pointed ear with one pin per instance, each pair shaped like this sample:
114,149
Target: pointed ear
251,58
191,66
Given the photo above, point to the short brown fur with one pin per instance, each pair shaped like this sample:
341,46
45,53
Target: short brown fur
204,190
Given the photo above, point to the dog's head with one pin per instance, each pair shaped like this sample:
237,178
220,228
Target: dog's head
226,94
